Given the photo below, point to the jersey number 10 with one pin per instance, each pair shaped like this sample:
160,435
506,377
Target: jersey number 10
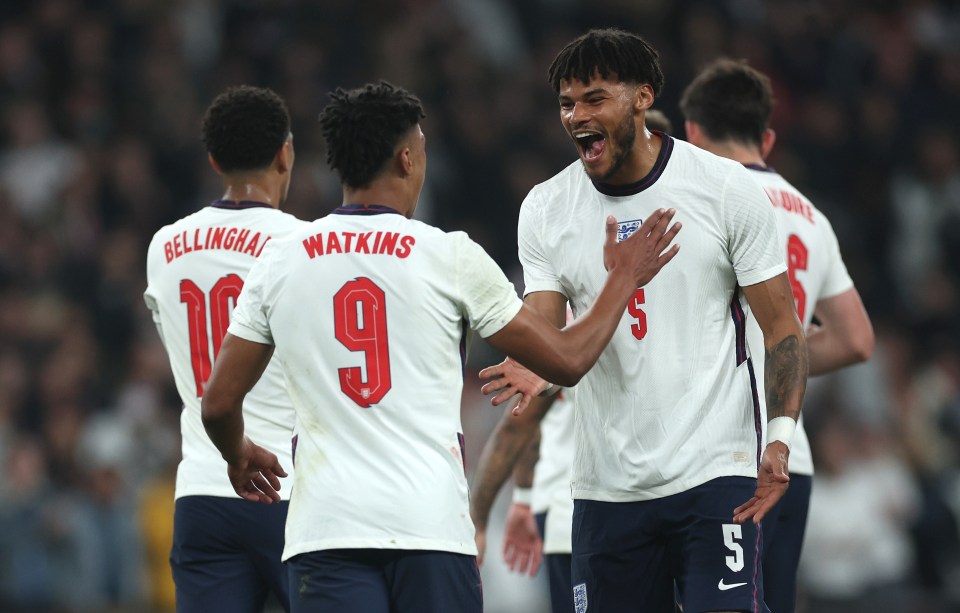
224,291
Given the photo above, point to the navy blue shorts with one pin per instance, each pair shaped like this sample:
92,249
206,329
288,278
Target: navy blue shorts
384,581
783,530
226,554
558,571
644,556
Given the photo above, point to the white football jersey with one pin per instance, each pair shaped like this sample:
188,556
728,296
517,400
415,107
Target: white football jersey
551,480
816,272
196,268
369,312
671,403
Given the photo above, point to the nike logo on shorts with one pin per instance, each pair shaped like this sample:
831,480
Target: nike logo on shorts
728,586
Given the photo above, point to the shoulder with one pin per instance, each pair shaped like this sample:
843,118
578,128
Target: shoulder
559,187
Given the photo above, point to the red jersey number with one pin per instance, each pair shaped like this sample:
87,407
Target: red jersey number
360,321
224,291
797,260
639,328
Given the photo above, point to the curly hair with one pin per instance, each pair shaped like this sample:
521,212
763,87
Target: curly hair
607,52
244,127
730,101
363,126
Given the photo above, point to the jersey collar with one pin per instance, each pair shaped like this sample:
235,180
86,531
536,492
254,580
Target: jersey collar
234,205
635,188
760,167
365,209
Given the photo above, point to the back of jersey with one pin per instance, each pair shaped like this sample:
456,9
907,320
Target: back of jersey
196,268
815,269
369,312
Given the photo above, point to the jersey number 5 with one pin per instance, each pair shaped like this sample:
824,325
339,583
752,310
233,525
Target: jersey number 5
639,328
797,260
360,322
224,291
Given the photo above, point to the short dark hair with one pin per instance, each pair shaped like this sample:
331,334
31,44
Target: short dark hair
607,52
729,100
363,126
244,127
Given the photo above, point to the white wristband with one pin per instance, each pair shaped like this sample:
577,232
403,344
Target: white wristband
523,495
781,429
552,389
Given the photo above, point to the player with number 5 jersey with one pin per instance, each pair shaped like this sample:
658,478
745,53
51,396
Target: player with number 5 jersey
226,553
369,311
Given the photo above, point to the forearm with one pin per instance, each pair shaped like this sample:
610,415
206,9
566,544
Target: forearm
785,375
509,440
526,464
224,426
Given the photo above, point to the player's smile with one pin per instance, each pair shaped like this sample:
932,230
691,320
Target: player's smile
591,144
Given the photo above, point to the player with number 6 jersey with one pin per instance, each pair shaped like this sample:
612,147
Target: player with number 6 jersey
369,310
226,554
728,108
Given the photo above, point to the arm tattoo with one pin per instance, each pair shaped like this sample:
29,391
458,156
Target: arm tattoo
785,377
527,462
497,460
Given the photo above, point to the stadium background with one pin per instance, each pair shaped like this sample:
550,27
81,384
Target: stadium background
100,102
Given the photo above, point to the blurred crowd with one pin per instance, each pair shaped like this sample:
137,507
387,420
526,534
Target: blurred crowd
100,104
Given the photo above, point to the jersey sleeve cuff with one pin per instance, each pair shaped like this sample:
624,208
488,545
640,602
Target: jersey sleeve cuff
241,330
760,276
495,323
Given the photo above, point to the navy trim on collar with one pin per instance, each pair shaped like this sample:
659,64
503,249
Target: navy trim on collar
364,209
760,167
635,188
233,205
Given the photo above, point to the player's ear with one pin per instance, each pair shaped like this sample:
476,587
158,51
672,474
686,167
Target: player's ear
214,164
694,133
767,142
285,156
643,98
405,160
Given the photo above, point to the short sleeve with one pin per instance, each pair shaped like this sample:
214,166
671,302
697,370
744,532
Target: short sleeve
487,297
837,279
538,274
249,320
751,227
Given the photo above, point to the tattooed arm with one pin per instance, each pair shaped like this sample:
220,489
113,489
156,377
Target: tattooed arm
510,439
785,380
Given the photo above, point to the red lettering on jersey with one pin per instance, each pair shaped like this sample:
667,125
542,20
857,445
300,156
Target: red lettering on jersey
197,245
252,245
229,238
177,247
265,241
168,251
362,242
333,243
389,243
406,245
790,202
241,239
206,241
217,241
186,244
376,243
348,240
313,245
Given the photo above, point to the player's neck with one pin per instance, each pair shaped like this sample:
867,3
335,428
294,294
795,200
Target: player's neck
736,152
248,188
380,193
646,149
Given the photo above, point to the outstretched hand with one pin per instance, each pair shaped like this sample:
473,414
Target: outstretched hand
645,251
772,482
511,378
522,545
255,475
